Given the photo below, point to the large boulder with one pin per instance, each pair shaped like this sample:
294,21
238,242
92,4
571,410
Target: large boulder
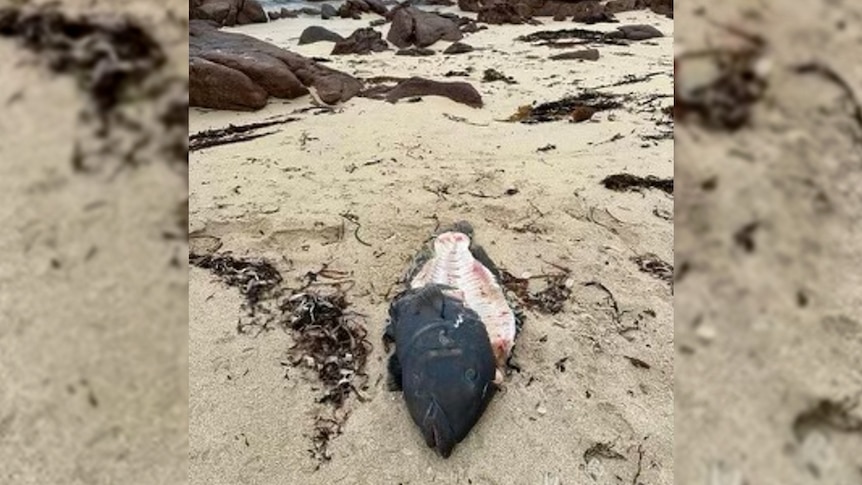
216,86
228,12
362,41
457,91
411,26
327,11
504,13
316,33
235,71
585,11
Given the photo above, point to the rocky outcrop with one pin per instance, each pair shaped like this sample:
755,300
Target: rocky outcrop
315,33
362,41
459,92
327,11
235,71
411,26
458,48
227,12
355,8
584,11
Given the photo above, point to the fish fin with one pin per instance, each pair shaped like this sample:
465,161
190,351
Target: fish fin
463,227
389,335
394,380
481,256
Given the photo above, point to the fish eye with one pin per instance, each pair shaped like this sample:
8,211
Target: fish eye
470,374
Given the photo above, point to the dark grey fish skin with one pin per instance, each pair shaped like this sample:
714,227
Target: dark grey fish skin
443,362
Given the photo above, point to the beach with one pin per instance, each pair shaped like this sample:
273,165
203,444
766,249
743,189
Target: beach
767,250
93,281
360,187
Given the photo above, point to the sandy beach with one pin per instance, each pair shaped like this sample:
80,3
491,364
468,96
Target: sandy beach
93,285
359,189
767,296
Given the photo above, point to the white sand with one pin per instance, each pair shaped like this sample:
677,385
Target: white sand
280,197
93,349
763,336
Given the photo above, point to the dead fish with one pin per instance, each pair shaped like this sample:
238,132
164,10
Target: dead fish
443,363
459,263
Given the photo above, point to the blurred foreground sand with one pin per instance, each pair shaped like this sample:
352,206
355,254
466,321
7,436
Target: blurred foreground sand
93,296
769,265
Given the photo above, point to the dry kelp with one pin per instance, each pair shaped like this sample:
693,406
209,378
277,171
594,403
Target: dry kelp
256,280
135,111
574,108
653,265
549,300
329,339
828,415
719,86
232,134
625,182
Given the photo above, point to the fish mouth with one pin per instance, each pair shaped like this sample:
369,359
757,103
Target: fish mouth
437,430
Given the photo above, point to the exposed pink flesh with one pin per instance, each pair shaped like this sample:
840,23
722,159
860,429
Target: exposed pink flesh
454,265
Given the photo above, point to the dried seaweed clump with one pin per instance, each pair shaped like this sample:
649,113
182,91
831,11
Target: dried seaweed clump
828,415
550,300
653,265
330,340
626,182
134,111
325,430
256,279
719,87
574,108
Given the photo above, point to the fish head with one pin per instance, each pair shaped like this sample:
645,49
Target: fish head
448,392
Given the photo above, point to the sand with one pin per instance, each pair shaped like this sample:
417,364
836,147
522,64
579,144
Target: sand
399,170
764,336
93,349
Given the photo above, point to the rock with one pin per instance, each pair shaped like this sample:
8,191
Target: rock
492,75
469,5
235,71
377,7
582,113
472,27
362,41
353,9
415,52
377,22
584,55
316,33
413,26
215,86
327,11
504,13
617,6
460,92
661,7
458,48
264,70
274,15
637,32
441,3
228,12
309,11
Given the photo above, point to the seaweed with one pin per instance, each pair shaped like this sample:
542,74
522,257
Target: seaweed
575,108
625,182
